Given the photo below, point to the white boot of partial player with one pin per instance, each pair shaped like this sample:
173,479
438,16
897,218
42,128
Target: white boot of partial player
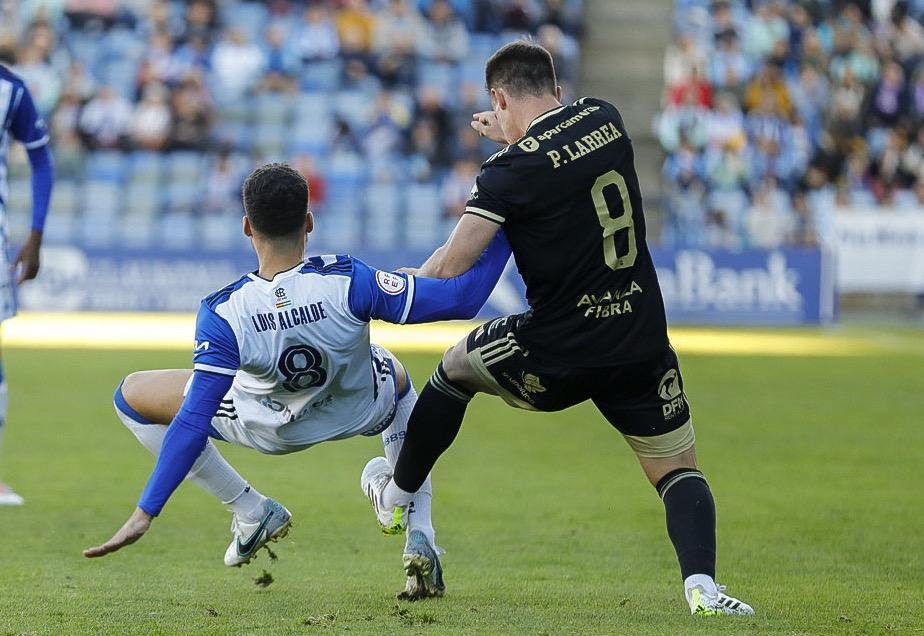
8,497
706,598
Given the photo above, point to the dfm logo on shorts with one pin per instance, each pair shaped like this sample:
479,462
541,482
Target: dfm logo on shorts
671,392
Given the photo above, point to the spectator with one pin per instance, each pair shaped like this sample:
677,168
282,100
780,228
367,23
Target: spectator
41,78
444,37
237,65
683,55
520,15
150,124
730,68
281,63
694,89
765,28
889,99
316,38
201,20
397,30
223,185
317,185
355,28
432,110
456,189
904,35
768,85
106,119
769,222
563,50
192,113
64,130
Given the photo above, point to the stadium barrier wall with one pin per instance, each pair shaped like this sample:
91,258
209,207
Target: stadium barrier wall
880,251
780,287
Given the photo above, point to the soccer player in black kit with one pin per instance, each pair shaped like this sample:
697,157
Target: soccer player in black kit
567,195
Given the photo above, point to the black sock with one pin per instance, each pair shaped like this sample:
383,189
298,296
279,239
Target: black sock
434,424
690,520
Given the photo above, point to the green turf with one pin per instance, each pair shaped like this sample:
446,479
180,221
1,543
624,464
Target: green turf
549,527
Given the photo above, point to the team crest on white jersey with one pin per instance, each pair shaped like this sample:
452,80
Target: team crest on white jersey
391,284
281,299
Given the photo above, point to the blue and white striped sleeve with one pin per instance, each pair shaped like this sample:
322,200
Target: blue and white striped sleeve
27,125
216,349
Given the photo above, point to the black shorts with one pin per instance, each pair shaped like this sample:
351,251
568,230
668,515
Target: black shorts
643,400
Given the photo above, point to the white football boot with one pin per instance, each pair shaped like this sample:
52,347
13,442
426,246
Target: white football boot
709,599
373,481
250,536
8,497
423,568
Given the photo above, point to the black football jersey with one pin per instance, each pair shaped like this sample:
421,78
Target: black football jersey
568,198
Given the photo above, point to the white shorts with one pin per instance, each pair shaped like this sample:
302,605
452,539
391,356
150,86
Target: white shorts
245,421
7,281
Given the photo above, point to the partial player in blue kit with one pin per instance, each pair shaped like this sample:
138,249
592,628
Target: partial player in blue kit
283,361
21,122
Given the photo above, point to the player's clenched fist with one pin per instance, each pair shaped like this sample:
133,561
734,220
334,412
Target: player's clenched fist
485,124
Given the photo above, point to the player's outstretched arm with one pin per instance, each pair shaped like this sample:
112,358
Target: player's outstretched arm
468,241
402,298
183,443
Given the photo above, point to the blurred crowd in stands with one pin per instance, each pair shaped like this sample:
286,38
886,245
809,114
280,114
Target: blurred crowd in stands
159,108
778,114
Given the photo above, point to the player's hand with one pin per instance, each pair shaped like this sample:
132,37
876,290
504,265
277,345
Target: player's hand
27,261
485,124
131,531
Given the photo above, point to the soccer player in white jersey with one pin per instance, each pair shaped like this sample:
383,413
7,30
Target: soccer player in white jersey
20,121
282,362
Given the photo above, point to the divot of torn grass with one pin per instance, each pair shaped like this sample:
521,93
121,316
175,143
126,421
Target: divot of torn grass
264,580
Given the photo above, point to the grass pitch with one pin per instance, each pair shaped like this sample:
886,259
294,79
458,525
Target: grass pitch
547,521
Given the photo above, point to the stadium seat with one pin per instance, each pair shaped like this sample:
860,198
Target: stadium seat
320,76
382,209
313,108
270,138
178,231
145,166
354,107
184,167
101,198
64,198
273,108
106,165
183,197
143,198
219,232
136,231
424,211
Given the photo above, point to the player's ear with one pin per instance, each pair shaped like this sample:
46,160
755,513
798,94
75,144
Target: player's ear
500,96
309,223
248,230
558,92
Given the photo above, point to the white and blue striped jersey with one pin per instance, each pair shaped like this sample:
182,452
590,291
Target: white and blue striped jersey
18,120
298,348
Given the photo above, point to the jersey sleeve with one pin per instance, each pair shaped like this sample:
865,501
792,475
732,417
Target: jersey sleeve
461,297
494,196
216,348
26,124
379,294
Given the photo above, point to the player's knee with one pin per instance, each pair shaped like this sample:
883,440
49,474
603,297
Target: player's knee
129,389
456,365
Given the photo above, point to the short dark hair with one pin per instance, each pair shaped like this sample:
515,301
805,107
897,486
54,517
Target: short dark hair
276,200
521,68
